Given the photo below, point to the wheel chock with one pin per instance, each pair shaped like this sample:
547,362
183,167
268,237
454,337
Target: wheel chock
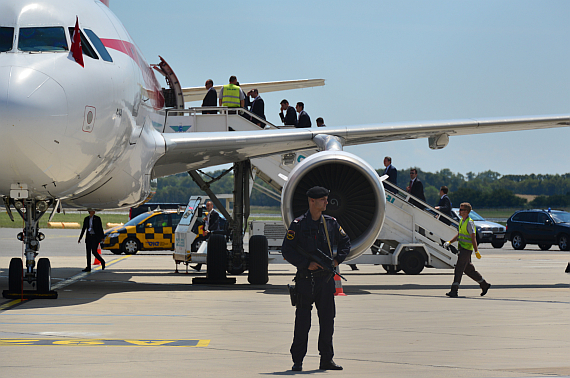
213,281
29,294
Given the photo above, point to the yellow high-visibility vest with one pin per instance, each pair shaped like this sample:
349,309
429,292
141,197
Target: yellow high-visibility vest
464,238
230,96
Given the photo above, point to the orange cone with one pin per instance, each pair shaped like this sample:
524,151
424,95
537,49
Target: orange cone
97,262
338,286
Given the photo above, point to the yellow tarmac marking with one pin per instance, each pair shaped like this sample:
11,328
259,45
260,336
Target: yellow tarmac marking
6,306
107,342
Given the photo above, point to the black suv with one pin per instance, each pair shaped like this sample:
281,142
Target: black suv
542,227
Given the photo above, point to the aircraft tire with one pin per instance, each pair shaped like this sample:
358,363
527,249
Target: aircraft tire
258,260
44,276
15,275
217,257
412,262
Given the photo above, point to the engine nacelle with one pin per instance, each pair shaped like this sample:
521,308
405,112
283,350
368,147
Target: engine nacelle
356,199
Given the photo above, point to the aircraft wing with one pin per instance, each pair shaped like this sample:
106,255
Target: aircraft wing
198,93
196,150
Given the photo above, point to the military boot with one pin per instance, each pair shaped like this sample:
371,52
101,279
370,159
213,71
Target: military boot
452,293
484,287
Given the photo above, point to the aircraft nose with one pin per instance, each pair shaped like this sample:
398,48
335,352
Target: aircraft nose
30,99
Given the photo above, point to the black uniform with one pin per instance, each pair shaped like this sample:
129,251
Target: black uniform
317,286
93,237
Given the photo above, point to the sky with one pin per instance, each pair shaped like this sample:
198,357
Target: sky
384,61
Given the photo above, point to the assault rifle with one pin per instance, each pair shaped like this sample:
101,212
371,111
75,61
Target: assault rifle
322,259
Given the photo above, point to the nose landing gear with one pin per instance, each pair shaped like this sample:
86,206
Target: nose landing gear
31,210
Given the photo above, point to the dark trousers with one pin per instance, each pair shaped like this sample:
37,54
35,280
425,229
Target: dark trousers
464,265
322,295
91,246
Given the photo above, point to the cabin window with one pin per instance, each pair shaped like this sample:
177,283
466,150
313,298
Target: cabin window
87,49
103,53
42,39
6,38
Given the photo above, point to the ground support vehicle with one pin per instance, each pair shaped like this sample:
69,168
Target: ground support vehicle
147,231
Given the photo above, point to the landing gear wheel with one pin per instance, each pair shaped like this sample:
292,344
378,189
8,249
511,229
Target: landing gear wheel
15,275
412,262
518,242
564,243
545,247
498,244
131,246
217,257
44,276
258,260
391,269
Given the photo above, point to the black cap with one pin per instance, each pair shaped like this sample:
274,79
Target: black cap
317,192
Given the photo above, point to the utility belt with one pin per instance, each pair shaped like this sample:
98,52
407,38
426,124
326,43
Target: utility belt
306,273
299,300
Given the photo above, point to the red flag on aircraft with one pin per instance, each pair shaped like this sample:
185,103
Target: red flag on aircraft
76,48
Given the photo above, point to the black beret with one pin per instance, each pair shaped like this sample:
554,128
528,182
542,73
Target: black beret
317,192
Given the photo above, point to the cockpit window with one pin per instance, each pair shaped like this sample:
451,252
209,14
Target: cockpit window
98,45
87,49
42,39
6,38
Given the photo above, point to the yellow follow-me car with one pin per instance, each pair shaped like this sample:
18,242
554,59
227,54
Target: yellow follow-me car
148,231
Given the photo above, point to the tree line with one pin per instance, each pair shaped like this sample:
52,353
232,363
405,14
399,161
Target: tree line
487,189
490,189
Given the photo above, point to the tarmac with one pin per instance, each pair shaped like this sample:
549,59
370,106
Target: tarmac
137,318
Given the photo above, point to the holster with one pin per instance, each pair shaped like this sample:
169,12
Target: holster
293,294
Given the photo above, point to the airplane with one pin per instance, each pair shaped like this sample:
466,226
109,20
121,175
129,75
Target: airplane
81,119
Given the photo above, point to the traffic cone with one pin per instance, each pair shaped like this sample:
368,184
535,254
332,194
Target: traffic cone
97,262
338,286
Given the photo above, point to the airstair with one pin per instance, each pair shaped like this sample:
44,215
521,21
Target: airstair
413,231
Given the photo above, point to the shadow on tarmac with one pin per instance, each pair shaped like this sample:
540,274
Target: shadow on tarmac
98,284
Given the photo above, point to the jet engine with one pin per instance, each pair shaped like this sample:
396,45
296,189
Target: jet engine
356,199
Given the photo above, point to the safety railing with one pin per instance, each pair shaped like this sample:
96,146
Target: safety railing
217,119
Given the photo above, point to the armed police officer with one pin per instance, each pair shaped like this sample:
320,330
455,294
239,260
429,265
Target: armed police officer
313,234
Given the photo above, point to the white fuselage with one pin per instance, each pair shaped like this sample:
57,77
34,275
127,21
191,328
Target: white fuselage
81,134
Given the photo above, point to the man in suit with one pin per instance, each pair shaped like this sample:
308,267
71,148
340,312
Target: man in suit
257,106
290,117
304,119
416,188
210,98
444,204
392,173
212,220
211,224
94,228
321,122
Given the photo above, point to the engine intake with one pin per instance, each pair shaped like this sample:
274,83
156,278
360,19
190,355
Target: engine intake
356,199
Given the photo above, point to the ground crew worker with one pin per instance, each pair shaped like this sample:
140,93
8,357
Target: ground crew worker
314,285
467,243
231,94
